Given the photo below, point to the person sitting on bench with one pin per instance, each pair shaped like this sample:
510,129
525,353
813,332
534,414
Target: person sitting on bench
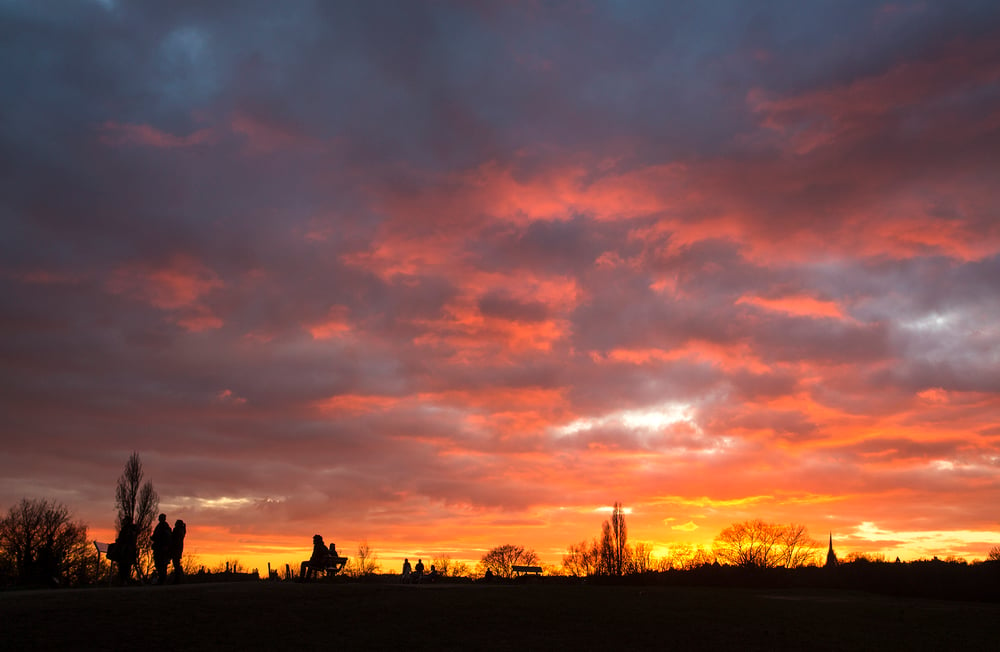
318,561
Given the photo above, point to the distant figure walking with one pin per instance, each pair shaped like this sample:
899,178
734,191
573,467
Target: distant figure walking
406,570
318,560
161,548
418,570
177,549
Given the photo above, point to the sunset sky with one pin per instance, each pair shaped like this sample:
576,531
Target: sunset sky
445,275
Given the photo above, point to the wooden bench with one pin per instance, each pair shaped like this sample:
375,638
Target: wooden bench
331,566
334,565
524,570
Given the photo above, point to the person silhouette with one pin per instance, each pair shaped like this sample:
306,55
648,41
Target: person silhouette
177,548
125,551
317,561
418,570
406,570
161,548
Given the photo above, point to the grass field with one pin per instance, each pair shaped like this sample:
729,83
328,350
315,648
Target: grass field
315,616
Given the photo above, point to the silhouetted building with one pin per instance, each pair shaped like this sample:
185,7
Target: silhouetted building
831,556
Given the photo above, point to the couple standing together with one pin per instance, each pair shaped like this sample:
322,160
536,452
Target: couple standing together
168,546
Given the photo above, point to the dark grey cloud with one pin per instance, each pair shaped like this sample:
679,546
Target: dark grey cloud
378,254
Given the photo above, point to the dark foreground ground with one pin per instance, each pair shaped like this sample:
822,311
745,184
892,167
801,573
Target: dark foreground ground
328,616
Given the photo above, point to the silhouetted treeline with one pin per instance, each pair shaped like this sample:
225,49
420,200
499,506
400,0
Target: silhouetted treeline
950,580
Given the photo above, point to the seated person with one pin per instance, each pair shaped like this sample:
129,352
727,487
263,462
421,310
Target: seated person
432,575
336,562
318,561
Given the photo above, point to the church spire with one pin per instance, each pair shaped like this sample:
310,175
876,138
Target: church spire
831,556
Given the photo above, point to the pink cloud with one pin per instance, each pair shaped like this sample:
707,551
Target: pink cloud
179,283
180,287
227,396
827,116
265,134
200,322
804,306
114,133
336,324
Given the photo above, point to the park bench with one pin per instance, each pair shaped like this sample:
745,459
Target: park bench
524,570
333,565
329,566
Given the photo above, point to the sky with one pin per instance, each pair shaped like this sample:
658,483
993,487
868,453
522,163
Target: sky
441,276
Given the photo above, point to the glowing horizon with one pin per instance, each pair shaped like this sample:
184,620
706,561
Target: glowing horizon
461,274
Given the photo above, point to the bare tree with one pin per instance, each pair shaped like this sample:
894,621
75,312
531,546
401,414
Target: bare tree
458,569
751,544
700,557
619,540
640,559
994,554
865,558
137,504
685,556
365,563
41,544
798,548
502,559
582,559
605,560
448,567
614,550
677,558
228,566
756,544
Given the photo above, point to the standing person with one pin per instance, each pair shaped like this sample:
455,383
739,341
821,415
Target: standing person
161,548
177,548
406,570
418,570
125,552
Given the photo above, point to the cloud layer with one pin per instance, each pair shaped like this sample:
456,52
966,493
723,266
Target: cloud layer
445,275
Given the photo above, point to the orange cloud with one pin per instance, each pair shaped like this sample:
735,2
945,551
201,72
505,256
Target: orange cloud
731,357
336,324
356,404
476,338
502,398
495,190
798,305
